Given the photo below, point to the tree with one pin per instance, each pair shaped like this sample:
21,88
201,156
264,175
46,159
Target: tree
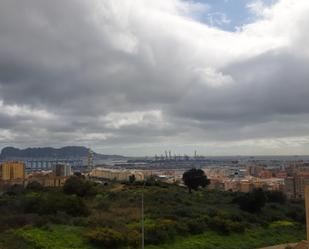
195,178
78,174
132,178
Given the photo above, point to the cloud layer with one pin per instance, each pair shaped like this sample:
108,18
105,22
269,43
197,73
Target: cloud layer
138,77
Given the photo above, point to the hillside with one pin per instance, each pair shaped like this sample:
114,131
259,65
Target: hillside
49,152
110,217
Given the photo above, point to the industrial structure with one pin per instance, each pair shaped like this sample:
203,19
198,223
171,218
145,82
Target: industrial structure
61,169
90,161
47,164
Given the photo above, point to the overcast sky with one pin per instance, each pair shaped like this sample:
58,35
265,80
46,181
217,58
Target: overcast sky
137,77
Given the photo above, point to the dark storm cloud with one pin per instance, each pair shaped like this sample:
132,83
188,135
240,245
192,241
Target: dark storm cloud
267,85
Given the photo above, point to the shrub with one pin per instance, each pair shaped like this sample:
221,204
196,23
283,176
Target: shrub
183,212
252,202
196,226
53,203
236,227
298,214
14,221
218,224
102,203
35,186
211,212
15,189
105,237
225,226
160,231
276,196
75,206
134,237
79,186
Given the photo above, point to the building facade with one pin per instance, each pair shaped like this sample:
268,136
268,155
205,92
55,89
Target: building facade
117,175
47,179
12,171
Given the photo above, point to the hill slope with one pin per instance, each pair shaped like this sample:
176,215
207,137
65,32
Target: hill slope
49,152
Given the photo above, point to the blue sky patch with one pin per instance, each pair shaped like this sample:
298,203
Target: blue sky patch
228,14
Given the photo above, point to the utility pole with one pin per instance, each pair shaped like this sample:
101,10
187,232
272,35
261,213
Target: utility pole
143,222
143,229
90,161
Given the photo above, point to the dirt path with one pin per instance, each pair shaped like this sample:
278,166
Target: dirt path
279,246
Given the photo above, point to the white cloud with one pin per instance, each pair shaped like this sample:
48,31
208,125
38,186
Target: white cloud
119,120
217,19
24,111
257,7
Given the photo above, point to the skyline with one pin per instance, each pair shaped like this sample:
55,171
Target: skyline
135,78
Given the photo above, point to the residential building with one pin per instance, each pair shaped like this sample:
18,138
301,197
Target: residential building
12,171
301,180
47,179
117,175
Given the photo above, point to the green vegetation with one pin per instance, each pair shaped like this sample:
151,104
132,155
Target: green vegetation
252,202
60,237
106,237
248,240
76,185
87,215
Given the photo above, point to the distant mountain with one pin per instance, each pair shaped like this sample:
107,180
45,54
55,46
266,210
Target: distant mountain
48,152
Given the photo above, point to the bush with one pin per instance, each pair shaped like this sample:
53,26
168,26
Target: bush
75,206
79,186
160,231
236,227
184,212
225,226
219,225
297,213
14,221
35,186
134,237
276,196
105,237
196,226
252,202
15,189
102,204
53,203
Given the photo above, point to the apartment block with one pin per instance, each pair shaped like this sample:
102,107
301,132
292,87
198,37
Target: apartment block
12,171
